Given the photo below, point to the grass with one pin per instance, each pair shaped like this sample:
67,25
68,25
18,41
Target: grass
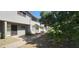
7,40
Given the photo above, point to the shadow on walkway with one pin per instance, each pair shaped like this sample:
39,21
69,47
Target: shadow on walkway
37,39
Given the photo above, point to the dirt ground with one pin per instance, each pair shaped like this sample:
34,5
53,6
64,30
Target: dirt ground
8,40
29,41
38,42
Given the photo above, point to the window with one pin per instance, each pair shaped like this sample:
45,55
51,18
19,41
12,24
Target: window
22,13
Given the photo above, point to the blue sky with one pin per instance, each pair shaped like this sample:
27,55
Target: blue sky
36,13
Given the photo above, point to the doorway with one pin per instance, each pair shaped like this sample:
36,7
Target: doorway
13,30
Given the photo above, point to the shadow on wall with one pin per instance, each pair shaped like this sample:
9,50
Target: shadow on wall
37,39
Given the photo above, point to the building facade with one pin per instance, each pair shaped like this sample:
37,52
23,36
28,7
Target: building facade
18,23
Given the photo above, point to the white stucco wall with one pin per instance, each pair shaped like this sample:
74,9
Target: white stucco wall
8,29
12,16
33,30
20,31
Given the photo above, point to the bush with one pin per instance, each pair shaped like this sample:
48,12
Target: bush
64,28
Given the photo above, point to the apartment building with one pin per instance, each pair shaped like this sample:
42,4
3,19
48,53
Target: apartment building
18,23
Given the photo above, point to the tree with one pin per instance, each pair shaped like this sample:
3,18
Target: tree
64,25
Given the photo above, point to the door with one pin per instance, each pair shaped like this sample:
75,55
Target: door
13,29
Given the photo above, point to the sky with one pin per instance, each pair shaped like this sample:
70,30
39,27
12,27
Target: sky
36,14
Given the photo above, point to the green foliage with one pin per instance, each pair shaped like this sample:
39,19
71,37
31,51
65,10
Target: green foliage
64,31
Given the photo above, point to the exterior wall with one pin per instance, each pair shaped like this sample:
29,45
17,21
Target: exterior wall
43,28
32,28
20,31
12,16
8,29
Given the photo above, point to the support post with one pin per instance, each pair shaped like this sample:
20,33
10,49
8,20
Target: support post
4,30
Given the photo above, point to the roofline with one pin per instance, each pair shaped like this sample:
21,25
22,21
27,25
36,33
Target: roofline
31,14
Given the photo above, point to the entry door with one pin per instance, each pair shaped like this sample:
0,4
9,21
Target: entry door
13,29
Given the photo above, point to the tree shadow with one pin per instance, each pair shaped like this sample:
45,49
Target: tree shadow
37,39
